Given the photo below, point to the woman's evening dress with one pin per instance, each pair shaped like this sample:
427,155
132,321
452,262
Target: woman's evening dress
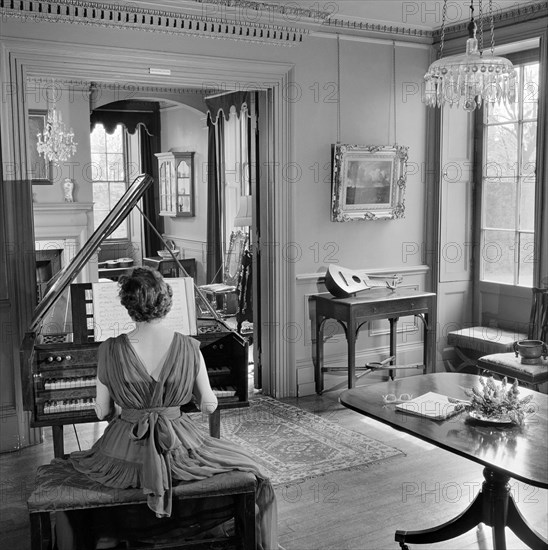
152,445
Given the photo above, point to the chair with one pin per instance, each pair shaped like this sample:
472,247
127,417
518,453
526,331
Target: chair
491,349
508,364
59,487
223,297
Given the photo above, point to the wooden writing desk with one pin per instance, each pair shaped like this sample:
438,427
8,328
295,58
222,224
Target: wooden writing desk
377,303
509,452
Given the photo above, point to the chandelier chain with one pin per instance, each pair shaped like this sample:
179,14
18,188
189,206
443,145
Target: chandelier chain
443,19
492,27
481,27
394,87
338,88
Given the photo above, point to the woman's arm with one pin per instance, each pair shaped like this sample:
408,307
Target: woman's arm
207,400
105,408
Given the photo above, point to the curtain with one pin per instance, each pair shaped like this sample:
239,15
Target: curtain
215,178
223,103
131,113
151,200
144,117
218,111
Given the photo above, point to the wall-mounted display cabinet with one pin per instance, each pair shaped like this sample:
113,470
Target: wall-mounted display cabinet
176,179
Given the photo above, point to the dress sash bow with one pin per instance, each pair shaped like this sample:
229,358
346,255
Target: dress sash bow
153,429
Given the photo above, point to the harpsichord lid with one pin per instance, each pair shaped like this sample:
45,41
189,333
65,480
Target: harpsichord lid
67,275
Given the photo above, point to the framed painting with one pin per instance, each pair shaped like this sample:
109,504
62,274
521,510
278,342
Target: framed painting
368,182
39,169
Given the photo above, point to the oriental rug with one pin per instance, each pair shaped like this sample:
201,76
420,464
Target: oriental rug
292,444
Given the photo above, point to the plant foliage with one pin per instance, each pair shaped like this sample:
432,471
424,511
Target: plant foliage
500,400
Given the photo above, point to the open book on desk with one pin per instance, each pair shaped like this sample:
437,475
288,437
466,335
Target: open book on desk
433,405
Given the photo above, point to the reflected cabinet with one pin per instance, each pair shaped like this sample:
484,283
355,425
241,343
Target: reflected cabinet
176,179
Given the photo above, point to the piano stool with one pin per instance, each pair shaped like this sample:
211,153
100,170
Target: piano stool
58,487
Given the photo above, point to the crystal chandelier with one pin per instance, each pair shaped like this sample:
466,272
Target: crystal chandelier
55,143
470,79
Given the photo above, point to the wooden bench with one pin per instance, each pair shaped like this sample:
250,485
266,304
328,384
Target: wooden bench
60,488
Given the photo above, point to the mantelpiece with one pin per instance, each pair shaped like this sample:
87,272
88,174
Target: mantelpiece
65,226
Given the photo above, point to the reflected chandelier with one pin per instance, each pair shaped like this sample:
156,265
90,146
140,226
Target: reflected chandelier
470,79
55,143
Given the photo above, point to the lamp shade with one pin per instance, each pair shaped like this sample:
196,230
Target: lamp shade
244,217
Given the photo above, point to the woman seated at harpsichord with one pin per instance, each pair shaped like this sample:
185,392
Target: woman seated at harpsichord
143,378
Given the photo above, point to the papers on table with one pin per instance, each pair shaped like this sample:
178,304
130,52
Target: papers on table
433,405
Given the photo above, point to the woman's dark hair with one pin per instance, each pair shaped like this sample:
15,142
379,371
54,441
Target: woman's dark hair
145,294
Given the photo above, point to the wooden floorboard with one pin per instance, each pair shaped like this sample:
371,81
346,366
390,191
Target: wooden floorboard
358,509
427,487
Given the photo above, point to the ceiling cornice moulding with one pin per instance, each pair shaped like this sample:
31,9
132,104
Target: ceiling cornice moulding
512,16
376,30
284,12
241,20
152,20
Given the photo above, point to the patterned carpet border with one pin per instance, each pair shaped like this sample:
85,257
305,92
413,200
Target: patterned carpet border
292,444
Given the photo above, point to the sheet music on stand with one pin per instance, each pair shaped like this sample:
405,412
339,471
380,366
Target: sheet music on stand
110,317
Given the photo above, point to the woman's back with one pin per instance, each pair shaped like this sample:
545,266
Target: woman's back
151,344
132,385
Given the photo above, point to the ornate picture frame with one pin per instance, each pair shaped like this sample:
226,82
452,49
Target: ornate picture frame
39,169
368,182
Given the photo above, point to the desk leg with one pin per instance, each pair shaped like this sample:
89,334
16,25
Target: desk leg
427,344
351,340
494,506
393,344
318,367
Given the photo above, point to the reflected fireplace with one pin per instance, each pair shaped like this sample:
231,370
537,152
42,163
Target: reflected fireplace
48,263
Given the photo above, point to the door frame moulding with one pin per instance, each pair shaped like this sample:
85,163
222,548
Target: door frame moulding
22,59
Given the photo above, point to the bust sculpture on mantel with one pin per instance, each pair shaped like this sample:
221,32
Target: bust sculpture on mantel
68,190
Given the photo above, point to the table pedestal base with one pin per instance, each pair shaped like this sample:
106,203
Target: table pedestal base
494,506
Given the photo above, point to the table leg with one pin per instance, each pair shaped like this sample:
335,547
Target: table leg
351,340
426,343
516,522
393,343
318,367
494,506
496,492
449,530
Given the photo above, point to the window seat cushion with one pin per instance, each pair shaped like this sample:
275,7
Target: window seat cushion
484,340
507,364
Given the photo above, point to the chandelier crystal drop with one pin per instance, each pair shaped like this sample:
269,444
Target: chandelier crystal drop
470,79
55,143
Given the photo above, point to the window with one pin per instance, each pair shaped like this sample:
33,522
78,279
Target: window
508,183
108,159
